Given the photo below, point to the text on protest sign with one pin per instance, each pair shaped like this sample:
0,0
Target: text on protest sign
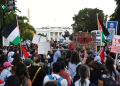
115,44
81,39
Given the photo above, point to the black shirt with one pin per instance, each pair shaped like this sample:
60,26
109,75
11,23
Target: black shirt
40,76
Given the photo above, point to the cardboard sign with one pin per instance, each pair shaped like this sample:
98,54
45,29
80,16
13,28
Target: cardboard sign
5,42
98,37
115,44
81,39
37,39
43,47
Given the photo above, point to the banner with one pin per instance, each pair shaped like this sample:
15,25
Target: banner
115,44
5,42
112,29
81,39
98,37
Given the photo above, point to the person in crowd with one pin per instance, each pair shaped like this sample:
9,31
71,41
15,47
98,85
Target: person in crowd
28,62
98,59
3,58
74,62
110,66
63,54
84,77
4,50
35,69
70,45
6,71
89,60
32,53
55,76
108,53
56,55
82,53
12,81
64,74
51,83
10,55
22,73
16,61
16,50
94,71
68,56
105,75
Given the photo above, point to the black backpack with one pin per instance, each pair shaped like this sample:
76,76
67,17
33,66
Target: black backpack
108,82
77,76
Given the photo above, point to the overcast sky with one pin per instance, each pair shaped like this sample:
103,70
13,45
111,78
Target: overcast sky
44,12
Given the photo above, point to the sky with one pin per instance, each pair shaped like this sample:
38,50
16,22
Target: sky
59,13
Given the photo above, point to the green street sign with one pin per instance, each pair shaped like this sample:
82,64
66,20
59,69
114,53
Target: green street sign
4,7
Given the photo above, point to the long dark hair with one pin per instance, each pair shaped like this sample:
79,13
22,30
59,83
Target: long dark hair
109,64
84,70
22,73
17,60
75,59
67,59
3,58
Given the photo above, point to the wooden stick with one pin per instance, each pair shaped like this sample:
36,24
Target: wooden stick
116,59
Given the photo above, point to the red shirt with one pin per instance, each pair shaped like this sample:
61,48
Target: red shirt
66,76
70,47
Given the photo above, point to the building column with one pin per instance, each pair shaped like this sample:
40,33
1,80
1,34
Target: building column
58,35
54,36
49,37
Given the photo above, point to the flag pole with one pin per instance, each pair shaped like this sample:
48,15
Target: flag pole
98,29
116,59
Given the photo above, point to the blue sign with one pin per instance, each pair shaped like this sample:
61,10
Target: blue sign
112,29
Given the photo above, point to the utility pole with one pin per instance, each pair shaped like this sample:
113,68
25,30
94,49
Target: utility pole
4,19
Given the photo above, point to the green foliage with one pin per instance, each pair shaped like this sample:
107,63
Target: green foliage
87,19
116,16
42,35
70,36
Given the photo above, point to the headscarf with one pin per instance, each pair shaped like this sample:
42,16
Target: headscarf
98,59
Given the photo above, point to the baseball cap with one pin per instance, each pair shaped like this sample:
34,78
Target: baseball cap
28,61
6,64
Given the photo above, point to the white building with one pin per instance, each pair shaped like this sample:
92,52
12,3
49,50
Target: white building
53,32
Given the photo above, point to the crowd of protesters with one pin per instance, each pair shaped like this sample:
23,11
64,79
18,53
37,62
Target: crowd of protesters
76,67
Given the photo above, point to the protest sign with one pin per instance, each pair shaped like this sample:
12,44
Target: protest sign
43,47
42,39
112,29
5,42
98,37
36,39
115,44
81,39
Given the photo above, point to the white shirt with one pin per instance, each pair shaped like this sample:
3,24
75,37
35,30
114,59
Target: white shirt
72,69
63,81
78,83
4,74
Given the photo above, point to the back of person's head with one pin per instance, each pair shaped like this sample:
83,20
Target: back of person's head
3,58
51,83
32,51
22,73
89,59
36,58
63,54
62,64
84,73
16,50
17,59
75,59
12,81
107,52
109,65
57,67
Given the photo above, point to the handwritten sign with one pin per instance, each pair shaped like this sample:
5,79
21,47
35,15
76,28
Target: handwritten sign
81,39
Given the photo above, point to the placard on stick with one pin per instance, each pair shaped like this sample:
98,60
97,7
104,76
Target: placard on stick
81,39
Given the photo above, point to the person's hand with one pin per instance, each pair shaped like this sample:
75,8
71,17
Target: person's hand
51,52
83,47
44,55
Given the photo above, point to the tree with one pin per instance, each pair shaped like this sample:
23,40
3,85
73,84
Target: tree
28,34
86,19
116,15
42,35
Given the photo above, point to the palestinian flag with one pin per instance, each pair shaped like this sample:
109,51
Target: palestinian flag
26,55
101,54
12,32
